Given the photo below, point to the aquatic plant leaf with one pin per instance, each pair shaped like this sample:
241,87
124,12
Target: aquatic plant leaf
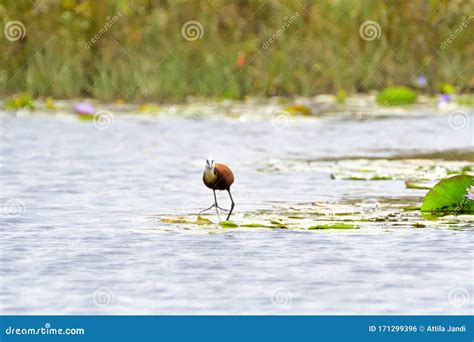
202,220
413,184
254,225
19,101
449,196
228,224
395,96
298,109
180,219
334,226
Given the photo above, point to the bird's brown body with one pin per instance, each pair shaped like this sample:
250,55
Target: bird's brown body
221,179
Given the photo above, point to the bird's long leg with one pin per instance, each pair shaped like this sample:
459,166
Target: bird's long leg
202,211
231,206
215,204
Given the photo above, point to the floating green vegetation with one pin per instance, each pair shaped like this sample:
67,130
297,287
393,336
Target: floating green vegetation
228,224
341,96
465,100
20,101
449,196
334,226
417,171
447,88
375,214
278,224
253,225
298,109
413,184
49,103
199,220
375,178
395,96
86,117
411,208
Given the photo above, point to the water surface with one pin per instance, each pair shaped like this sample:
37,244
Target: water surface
86,238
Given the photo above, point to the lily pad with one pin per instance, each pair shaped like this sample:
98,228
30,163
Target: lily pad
413,184
253,225
199,220
334,226
395,96
298,109
449,196
19,101
228,224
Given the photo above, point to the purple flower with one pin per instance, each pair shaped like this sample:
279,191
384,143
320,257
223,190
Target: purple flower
444,98
470,193
84,108
421,81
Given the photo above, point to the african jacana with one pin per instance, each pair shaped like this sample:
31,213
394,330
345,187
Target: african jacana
218,177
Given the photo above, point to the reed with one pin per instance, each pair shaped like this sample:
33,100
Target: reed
141,54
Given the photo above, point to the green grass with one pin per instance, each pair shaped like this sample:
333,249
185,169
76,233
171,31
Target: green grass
143,56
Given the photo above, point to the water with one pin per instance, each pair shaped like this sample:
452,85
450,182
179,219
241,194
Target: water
80,229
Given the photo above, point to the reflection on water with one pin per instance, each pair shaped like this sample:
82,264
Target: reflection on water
76,235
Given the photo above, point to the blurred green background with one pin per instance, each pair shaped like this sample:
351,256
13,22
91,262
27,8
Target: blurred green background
141,54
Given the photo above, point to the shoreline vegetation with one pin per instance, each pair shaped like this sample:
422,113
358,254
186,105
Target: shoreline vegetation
116,51
362,105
